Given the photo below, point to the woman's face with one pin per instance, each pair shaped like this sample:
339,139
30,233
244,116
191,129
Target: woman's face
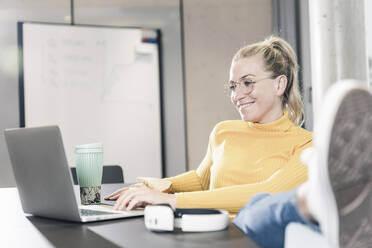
255,94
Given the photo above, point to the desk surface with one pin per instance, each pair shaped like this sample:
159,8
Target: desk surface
20,230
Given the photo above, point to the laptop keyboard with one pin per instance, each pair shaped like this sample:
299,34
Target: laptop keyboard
88,212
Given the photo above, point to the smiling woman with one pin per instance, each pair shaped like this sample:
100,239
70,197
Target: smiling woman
260,103
260,153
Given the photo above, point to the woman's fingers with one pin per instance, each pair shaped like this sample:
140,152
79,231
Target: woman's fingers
136,197
128,196
140,198
115,195
123,200
135,202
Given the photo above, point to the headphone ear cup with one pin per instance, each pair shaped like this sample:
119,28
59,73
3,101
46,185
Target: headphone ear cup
159,218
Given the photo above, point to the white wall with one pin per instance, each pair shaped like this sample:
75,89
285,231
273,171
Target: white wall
214,31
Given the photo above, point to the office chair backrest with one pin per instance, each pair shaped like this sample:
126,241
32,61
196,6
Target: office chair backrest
111,174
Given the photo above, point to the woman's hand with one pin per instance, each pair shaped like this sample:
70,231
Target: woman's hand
116,194
131,197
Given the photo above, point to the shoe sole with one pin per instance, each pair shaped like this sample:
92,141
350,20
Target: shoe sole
350,168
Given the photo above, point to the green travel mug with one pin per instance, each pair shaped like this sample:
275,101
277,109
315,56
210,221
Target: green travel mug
89,167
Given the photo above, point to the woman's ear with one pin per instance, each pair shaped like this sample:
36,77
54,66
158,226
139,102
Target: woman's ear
281,85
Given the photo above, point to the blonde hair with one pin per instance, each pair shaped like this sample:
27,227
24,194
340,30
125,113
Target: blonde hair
280,59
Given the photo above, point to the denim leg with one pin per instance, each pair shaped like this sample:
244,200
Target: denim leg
265,217
254,199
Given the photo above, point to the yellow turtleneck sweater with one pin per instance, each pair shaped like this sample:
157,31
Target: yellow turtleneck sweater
244,159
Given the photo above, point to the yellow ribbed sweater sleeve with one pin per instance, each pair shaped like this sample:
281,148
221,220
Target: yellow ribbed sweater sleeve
186,182
233,198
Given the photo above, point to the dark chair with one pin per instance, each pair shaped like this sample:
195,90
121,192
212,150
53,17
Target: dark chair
111,174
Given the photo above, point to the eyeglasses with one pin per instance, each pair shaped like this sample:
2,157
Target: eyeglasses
248,84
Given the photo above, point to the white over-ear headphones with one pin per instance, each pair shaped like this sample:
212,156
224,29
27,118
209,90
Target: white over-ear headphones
163,218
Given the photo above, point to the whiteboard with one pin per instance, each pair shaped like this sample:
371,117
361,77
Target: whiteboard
99,84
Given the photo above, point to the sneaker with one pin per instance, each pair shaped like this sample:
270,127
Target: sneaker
340,168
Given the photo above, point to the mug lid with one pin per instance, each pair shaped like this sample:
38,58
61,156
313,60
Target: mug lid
89,148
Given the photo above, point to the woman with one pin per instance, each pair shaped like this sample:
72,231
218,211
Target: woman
259,153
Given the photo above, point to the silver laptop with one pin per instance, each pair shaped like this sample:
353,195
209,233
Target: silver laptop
44,179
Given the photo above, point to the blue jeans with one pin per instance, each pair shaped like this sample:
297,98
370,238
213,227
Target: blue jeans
265,217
